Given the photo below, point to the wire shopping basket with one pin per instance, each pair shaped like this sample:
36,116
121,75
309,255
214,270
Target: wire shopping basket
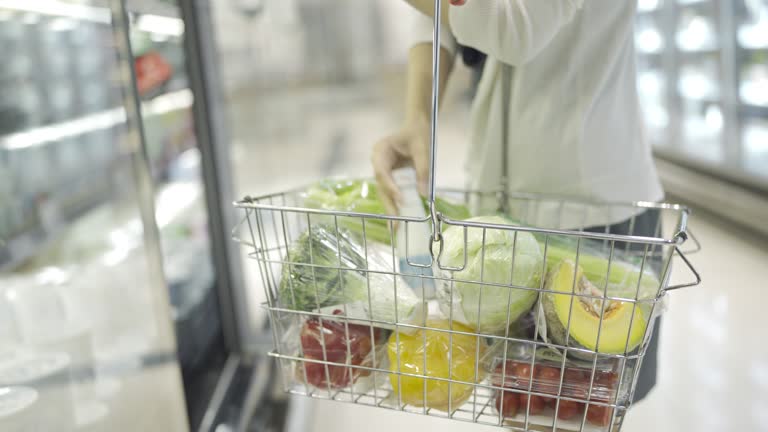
558,348
529,318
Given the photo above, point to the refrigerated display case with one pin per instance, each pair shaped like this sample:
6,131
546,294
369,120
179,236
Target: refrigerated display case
115,262
703,82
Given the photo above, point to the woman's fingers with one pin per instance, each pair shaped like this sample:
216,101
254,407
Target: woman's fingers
420,156
384,159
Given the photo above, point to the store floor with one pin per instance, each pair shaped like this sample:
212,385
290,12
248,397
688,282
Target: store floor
713,372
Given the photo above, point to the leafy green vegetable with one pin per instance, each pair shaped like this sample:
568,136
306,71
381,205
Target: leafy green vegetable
489,259
320,284
361,196
355,196
448,209
324,269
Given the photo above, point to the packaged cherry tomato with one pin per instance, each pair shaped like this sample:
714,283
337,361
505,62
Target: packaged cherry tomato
532,387
336,353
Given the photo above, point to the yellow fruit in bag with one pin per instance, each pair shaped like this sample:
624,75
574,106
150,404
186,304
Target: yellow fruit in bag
435,354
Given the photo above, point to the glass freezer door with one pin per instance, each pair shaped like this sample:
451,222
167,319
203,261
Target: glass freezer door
86,334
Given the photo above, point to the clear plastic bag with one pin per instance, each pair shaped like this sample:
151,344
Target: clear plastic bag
358,196
328,269
576,311
487,257
585,397
361,196
335,354
436,353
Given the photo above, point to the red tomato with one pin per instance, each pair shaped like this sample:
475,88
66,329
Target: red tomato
510,379
520,370
547,379
548,373
518,375
511,404
345,345
576,383
599,415
538,404
569,409
550,402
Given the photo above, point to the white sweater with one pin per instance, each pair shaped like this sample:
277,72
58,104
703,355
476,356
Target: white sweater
574,118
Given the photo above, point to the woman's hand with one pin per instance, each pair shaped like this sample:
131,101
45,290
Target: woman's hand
458,2
407,147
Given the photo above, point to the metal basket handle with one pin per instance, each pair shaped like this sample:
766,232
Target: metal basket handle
506,72
696,244
690,268
436,235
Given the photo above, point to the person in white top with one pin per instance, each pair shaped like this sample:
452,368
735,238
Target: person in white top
574,123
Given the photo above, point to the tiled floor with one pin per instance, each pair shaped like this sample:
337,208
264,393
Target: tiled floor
713,354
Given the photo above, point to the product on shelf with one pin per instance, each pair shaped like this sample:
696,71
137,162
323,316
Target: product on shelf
343,345
435,354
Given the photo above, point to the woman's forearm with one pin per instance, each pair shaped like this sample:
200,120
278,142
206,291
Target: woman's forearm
419,80
427,7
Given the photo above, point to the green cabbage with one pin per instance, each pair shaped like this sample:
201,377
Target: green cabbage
489,309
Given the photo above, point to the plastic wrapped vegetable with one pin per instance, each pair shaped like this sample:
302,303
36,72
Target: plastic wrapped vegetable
361,196
358,196
344,344
489,308
312,280
434,353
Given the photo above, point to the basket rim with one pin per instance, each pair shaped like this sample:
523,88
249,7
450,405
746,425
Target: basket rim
680,236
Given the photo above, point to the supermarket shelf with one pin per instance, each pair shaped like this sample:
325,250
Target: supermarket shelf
163,18
93,122
159,8
699,51
173,201
693,3
28,244
59,9
697,185
704,99
754,110
752,183
23,247
753,47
